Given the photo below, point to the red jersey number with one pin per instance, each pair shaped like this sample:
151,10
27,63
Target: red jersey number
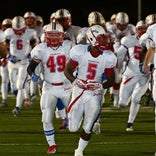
91,71
137,51
19,44
59,65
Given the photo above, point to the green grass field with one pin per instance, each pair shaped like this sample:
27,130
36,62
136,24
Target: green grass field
23,135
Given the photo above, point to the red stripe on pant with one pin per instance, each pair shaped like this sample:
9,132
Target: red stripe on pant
72,103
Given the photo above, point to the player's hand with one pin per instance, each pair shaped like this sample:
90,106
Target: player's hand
104,78
29,57
12,58
141,68
35,77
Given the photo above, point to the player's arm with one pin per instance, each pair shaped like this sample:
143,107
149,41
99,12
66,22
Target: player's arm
148,58
109,77
69,70
32,66
3,50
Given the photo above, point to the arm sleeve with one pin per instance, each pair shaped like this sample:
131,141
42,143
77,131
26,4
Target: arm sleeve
31,67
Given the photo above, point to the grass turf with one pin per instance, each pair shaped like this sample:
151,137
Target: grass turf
23,135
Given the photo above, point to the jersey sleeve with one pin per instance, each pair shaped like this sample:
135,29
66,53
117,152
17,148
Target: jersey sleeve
36,52
111,60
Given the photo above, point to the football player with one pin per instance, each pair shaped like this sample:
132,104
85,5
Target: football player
134,81
5,84
95,64
120,28
151,57
52,55
20,40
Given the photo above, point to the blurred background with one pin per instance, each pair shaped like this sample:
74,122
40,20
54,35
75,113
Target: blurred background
136,9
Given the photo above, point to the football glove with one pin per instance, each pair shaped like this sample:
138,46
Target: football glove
29,57
35,77
104,78
12,58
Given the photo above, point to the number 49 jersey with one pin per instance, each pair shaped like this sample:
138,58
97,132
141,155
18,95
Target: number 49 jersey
52,60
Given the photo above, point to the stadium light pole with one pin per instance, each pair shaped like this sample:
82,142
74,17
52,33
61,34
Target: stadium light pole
139,10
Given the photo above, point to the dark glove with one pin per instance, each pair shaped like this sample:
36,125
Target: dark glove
151,67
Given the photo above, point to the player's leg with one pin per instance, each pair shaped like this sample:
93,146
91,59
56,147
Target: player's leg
91,111
48,104
4,86
138,92
97,124
61,113
126,89
21,85
154,95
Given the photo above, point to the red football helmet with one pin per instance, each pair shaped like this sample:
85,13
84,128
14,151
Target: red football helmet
54,34
97,37
18,25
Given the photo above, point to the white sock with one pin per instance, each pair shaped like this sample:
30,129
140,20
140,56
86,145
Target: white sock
82,144
49,133
134,108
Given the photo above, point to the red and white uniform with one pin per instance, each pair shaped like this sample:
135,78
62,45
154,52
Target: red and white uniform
151,32
90,70
55,84
134,82
118,35
19,47
130,30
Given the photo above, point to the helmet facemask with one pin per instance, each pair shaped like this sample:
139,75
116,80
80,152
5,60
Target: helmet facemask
103,42
54,34
19,32
54,38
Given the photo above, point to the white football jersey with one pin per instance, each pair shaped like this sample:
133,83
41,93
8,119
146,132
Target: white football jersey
72,32
130,30
117,34
130,47
89,67
151,35
53,60
81,37
20,44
